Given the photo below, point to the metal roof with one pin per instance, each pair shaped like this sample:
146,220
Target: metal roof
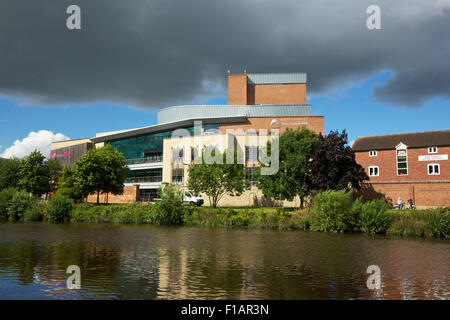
168,126
276,78
411,140
178,113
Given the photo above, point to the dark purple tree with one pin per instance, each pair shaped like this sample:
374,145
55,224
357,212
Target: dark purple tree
333,164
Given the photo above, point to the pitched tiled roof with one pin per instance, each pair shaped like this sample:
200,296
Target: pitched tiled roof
411,140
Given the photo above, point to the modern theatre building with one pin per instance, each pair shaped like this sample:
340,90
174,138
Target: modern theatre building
259,106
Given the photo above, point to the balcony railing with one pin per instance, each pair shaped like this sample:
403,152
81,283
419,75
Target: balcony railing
152,159
143,179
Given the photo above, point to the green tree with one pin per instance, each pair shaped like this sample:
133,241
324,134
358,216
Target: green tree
101,170
217,179
295,150
34,174
67,186
55,171
9,173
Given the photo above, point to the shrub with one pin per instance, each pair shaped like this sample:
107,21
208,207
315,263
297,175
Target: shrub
19,203
373,217
331,211
355,212
169,209
59,208
437,223
428,223
5,197
32,214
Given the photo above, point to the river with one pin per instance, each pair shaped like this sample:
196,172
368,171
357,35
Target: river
155,262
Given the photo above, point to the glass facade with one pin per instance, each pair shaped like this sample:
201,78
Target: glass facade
147,175
150,146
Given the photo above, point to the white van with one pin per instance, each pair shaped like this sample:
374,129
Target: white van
189,198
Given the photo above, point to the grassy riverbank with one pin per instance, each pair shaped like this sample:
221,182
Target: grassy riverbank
331,211
420,223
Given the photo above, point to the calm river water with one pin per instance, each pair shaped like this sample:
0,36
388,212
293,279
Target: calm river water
148,262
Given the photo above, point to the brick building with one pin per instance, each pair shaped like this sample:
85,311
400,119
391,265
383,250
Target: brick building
410,166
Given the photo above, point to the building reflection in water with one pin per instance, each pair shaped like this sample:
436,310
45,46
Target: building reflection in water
205,263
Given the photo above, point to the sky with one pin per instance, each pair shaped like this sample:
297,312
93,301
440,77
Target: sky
132,58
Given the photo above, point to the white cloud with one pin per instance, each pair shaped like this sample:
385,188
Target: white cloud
41,140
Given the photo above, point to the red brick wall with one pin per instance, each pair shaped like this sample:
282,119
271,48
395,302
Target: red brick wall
417,170
237,89
130,194
241,93
424,194
276,94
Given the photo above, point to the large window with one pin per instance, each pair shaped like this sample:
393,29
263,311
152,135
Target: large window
177,175
146,146
147,175
402,161
434,169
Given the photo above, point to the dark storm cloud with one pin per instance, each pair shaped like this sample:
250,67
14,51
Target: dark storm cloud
153,53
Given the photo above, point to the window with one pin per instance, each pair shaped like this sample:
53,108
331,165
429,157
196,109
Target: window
374,171
177,175
432,149
251,153
373,153
250,174
434,169
402,161
194,153
177,155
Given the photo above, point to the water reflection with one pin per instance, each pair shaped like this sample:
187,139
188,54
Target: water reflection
145,262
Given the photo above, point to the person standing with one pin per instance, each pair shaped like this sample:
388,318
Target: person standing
400,203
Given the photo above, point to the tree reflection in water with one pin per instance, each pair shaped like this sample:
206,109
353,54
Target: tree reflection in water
147,262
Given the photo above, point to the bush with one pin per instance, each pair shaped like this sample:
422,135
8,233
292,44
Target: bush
437,223
59,208
331,211
32,214
5,197
168,210
18,205
373,217
428,223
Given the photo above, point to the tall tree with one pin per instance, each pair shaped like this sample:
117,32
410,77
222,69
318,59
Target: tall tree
217,179
334,166
55,171
101,170
295,150
34,174
67,186
9,173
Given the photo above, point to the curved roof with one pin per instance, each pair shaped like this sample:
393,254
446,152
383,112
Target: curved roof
178,113
166,126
